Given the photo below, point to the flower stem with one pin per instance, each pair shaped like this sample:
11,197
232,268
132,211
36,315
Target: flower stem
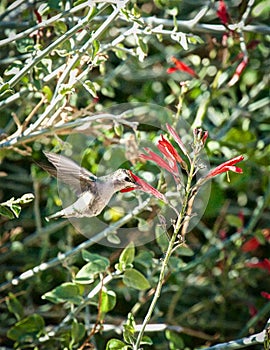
168,254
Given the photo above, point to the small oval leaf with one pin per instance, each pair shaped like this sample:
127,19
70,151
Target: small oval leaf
135,279
27,328
127,256
115,344
66,292
108,300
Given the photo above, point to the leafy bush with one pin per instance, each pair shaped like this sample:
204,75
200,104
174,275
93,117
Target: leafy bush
98,81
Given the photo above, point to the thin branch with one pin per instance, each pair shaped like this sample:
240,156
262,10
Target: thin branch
82,305
204,27
43,24
84,48
63,256
41,54
33,112
240,343
27,137
247,12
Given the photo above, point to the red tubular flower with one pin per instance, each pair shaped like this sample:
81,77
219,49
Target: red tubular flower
227,166
265,295
180,66
239,70
265,265
144,186
250,245
172,168
222,13
170,152
253,243
177,139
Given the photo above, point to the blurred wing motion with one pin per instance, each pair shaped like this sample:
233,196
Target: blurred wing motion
69,172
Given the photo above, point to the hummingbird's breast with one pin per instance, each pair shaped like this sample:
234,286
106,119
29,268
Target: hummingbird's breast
104,192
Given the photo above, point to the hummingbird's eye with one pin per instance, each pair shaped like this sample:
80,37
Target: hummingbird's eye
127,179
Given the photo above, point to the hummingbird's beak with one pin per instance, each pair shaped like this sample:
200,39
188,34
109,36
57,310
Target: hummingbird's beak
129,189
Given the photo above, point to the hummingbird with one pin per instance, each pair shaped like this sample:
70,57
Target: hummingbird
93,192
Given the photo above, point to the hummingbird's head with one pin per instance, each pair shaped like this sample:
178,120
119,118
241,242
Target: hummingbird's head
123,181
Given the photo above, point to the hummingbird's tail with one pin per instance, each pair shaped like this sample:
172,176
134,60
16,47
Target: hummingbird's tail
59,214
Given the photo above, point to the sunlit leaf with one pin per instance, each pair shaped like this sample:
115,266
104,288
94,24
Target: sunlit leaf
135,279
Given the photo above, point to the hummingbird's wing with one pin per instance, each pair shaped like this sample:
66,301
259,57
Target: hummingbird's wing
70,173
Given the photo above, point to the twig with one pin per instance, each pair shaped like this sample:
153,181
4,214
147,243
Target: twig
41,54
240,343
43,24
35,109
85,302
63,256
27,136
204,27
83,49
178,225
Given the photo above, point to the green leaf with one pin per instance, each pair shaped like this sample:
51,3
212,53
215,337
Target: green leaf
113,238
25,45
176,342
90,87
65,89
161,238
128,334
118,129
108,90
14,68
145,258
134,279
4,211
16,209
119,52
5,89
97,264
95,47
77,331
60,27
90,257
27,329
86,274
66,292
146,341
129,330
14,306
260,236
108,300
185,251
236,136
11,208
234,221
47,92
127,256
143,46
131,320
115,344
